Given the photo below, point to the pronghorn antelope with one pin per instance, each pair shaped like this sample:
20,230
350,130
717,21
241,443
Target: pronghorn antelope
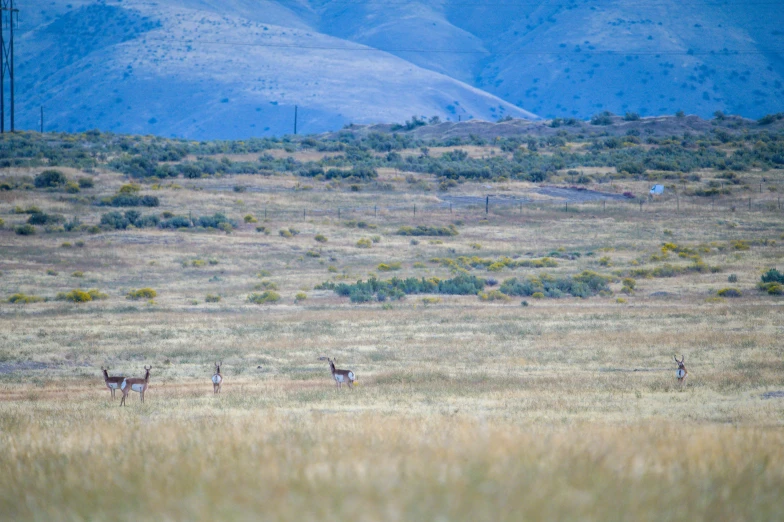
217,379
342,376
111,382
136,384
681,372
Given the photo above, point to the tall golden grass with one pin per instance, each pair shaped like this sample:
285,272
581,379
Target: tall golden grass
565,409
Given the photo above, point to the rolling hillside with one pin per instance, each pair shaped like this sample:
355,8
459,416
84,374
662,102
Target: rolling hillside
209,69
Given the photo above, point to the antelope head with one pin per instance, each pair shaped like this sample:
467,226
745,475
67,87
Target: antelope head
680,363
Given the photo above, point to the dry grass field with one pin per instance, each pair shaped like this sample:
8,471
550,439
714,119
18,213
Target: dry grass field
465,409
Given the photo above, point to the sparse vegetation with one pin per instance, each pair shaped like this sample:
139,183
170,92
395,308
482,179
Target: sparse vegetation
267,297
142,293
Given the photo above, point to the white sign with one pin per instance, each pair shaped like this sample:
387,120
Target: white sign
657,189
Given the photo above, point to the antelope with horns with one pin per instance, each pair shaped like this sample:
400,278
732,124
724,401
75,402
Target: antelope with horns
681,372
111,382
136,384
342,376
217,379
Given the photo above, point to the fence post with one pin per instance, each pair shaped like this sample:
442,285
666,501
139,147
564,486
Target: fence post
265,212
566,206
487,204
450,208
415,210
375,211
640,205
304,213
749,203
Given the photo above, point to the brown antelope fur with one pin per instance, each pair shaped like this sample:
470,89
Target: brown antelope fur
679,375
342,376
111,382
140,383
217,379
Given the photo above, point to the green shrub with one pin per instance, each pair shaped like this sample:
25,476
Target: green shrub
773,276
423,230
312,253
301,296
267,297
263,229
321,238
77,274
266,285
50,179
75,296
733,278
66,245
285,233
729,292
332,268
25,230
493,295
51,272
213,262
41,218
387,267
250,219
537,295
25,299
97,295
79,244
212,298
2,223
431,300
364,243
130,188
86,183
72,187
142,293
628,282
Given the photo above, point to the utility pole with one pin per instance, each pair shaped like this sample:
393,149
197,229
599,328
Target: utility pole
295,120
42,119
7,12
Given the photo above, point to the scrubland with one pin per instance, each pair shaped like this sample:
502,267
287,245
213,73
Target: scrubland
466,409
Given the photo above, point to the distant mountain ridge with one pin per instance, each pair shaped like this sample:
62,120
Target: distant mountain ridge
230,69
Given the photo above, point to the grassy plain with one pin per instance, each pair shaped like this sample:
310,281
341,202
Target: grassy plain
466,410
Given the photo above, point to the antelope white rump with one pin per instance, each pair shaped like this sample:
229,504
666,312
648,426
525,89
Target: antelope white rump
680,373
216,379
137,387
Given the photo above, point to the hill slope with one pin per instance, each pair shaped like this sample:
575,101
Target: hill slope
242,64
169,70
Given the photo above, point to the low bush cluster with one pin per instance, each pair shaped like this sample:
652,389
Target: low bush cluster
21,298
424,230
120,221
264,298
130,200
492,265
772,282
142,293
80,296
395,288
585,284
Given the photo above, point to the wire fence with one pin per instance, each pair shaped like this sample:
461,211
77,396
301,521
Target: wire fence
509,206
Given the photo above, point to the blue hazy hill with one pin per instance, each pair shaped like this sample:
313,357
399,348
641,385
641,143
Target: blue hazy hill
236,68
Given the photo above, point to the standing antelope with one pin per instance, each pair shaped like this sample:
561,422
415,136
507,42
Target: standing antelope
111,382
136,384
681,372
217,379
342,376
